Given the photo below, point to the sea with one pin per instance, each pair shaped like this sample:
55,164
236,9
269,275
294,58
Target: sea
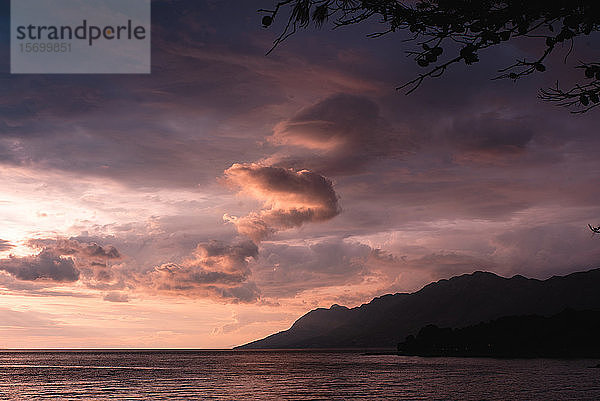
287,375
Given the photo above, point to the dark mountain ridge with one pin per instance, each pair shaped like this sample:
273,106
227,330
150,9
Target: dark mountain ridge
457,302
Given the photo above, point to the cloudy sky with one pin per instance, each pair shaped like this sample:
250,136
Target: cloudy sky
218,199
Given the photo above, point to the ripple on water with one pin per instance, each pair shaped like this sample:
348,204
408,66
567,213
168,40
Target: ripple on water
168,375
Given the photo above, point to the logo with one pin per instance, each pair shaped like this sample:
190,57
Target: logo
80,36
82,32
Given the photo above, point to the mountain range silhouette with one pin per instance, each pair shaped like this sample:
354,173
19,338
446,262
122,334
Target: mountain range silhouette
457,302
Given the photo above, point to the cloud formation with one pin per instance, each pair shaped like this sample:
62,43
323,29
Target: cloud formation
290,198
77,248
62,260
291,269
5,245
115,296
338,135
216,270
46,265
91,260
490,133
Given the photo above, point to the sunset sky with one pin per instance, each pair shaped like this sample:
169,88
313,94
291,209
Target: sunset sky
218,199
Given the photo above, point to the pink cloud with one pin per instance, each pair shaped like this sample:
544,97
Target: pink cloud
339,135
290,198
216,270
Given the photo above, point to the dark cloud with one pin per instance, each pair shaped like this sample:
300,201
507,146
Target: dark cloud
338,135
286,270
37,288
246,293
47,265
116,297
291,198
91,260
216,270
96,251
64,261
491,133
5,245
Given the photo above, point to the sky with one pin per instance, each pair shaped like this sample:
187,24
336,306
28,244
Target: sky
221,197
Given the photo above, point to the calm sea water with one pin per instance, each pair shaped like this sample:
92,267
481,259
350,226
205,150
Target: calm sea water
271,375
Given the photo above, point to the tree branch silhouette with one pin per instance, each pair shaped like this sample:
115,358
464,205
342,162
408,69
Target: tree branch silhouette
462,29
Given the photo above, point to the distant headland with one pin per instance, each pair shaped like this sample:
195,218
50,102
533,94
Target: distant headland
540,317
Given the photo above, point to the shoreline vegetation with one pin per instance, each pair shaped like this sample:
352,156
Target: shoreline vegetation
568,334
